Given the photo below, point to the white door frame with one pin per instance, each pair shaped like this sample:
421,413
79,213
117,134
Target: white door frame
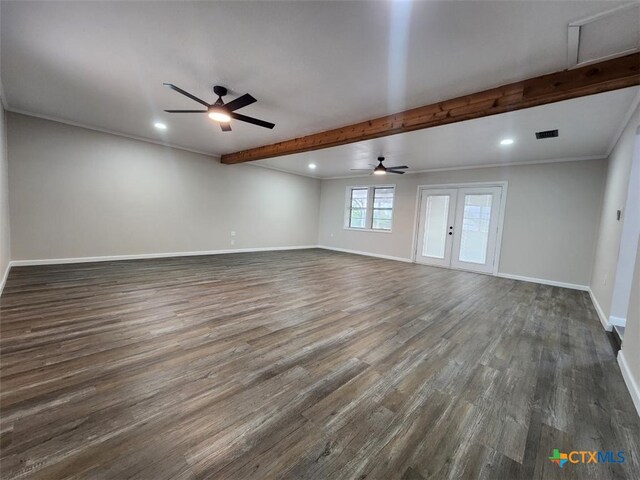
629,237
501,214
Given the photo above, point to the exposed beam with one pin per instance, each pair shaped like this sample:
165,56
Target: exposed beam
597,78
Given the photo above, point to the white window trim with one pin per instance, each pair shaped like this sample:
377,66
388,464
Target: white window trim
369,210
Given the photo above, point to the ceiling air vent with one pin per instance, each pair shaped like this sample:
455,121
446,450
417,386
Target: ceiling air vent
546,134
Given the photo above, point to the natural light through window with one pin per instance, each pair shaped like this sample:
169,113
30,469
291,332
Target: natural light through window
435,230
358,211
382,208
475,228
370,208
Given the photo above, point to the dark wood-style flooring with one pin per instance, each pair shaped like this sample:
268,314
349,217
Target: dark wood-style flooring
302,364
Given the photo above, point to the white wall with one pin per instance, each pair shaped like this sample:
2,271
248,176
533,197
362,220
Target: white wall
610,231
76,192
550,225
5,236
629,356
628,242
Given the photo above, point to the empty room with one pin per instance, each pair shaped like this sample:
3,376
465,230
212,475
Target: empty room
385,239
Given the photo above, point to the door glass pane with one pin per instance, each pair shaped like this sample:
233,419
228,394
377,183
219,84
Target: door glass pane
435,226
475,228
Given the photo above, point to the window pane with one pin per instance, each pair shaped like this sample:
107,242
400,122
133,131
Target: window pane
382,214
435,226
360,211
357,218
383,198
382,208
381,224
475,228
359,197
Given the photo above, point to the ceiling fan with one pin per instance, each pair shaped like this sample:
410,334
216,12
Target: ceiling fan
381,169
222,112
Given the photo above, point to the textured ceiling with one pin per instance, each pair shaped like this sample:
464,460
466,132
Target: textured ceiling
312,65
587,128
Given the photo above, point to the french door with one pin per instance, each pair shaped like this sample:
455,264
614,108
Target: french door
458,227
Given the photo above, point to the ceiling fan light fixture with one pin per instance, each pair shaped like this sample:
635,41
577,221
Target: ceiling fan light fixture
382,170
222,112
219,115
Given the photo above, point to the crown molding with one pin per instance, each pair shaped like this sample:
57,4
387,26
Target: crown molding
625,121
489,165
110,132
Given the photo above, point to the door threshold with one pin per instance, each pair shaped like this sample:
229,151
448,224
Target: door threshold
492,274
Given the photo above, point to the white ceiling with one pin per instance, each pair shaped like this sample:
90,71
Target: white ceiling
311,65
587,128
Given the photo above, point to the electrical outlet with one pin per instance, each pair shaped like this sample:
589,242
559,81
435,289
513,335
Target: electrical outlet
233,242
233,233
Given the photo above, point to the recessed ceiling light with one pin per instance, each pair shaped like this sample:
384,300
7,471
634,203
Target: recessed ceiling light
160,126
312,166
506,141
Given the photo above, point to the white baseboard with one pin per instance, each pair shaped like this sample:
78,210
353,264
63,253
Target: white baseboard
367,254
542,281
4,277
632,385
617,321
603,318
553,283
110,258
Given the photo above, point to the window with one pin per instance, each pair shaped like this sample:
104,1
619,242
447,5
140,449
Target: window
370,208
382,208
358,209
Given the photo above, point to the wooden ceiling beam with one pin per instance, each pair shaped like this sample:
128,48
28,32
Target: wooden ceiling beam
600,77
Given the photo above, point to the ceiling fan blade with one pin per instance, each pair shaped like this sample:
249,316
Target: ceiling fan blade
397,168
255,121
186,94
186,111
240,102
393,171
226,127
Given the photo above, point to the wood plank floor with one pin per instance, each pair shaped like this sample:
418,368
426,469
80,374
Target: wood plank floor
302,364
